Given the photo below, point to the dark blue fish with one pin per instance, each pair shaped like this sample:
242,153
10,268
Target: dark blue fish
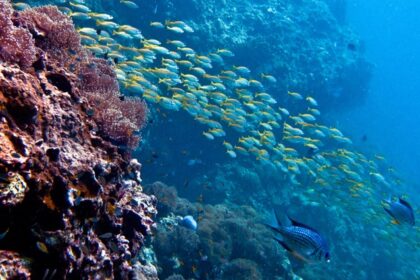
302,241
401,211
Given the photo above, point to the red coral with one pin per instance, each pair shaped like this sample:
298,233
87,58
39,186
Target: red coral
57,29
54,32
118,119
16,43
96,75
6,14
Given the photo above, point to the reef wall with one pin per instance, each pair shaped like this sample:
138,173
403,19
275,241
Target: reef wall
71,203
304,43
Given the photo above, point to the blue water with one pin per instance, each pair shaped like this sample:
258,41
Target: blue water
390,116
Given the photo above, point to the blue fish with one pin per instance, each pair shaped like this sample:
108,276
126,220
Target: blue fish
302,241
401,211
189,222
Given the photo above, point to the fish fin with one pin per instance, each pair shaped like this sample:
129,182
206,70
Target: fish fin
298,224
275,228
283,244
388,200
405,203
276,213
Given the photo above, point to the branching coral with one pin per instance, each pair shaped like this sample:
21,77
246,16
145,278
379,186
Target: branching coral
118,119
53,30
16,45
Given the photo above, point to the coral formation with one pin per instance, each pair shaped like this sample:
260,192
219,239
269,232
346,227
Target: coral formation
71,202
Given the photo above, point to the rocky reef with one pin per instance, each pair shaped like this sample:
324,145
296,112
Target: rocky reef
71,203
303,43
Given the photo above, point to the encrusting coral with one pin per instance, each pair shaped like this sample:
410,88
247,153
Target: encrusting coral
71,203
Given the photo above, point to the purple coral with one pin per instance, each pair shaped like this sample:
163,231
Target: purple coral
118,119
17,45
55,30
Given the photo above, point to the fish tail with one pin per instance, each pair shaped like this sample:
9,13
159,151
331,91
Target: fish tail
292,252
283,244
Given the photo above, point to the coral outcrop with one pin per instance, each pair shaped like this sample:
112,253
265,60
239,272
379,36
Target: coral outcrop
71,203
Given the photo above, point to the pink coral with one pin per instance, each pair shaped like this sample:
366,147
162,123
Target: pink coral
118,119
56,30
17,45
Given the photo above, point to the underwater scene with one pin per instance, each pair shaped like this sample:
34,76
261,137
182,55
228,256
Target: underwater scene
209,139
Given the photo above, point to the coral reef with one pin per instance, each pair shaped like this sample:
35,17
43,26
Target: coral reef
230,243
71,203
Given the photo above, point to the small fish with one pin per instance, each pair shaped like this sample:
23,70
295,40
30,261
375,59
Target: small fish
302,241
189,222
42,247
4,233
80,16
295,95
21,6
106,235
99,16
175,29
80,7
401,211
129,4
231,153
157,24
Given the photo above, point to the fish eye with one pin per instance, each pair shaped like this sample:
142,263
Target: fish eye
327,257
